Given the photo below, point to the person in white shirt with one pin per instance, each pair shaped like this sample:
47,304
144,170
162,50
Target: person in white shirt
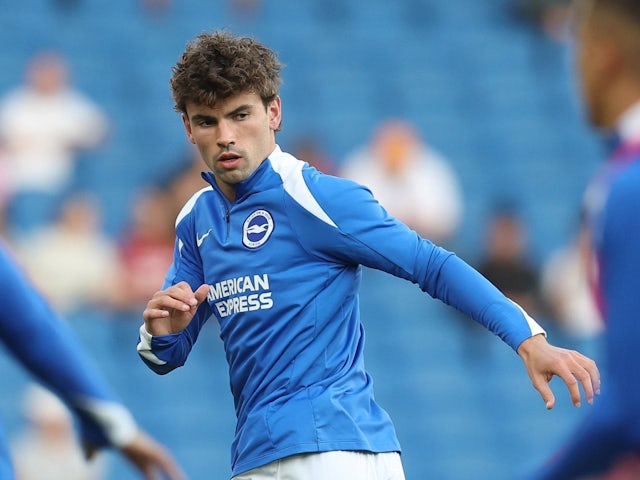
414,182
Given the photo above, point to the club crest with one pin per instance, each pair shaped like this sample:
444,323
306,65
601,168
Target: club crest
257,229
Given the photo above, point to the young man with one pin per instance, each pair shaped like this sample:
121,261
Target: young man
42,342
273,249
608,64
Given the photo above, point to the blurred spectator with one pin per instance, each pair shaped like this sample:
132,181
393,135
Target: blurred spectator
505,261
551,17
413,182
565,288
184,180
307,149
156,7
247,9
47,449
71,260
43,125
145,249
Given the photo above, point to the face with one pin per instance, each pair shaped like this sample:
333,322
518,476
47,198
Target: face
597,65
234,136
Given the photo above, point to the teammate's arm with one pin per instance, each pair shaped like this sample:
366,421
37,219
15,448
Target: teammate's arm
45,345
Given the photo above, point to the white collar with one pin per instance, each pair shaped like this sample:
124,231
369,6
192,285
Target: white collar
629,123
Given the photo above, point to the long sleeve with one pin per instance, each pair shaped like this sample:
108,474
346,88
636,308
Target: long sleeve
368,235
162,354
46,346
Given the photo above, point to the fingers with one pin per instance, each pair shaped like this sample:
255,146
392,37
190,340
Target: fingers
152,459
178,297
572,385
170,468
543,361
592,368
581,371
162,462
541,384
575,369
201,293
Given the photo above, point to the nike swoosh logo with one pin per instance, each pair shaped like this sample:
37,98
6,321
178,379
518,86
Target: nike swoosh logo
199,240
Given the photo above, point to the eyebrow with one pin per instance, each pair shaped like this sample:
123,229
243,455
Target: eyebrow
235,111
209,118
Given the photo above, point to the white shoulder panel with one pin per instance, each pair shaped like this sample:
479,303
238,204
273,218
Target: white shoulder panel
190,203
290,170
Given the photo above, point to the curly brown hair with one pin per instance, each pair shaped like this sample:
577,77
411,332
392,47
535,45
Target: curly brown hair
219,65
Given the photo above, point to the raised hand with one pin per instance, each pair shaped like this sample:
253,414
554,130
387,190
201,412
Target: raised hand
170,311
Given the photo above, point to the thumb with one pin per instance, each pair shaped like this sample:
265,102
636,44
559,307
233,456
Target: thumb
201,293
542,386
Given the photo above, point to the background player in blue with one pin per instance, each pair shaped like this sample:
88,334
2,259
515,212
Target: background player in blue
45,345
273,249
608,64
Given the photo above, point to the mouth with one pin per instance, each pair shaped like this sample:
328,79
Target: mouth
229,160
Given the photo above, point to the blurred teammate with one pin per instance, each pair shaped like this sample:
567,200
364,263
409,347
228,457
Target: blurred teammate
43,343
608,57
273,249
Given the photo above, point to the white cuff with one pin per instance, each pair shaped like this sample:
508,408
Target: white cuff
117,422
144,347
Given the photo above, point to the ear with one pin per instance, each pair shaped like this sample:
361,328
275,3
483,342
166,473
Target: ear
610,54
274,111
187,127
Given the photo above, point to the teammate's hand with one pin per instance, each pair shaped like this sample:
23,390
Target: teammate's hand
147,455
152,459
170,311
543,361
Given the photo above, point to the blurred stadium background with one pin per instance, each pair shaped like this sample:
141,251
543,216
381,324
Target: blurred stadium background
494,95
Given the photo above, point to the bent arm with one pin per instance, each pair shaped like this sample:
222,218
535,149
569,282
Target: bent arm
174,316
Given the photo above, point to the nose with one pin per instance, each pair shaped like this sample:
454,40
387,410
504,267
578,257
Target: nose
226,135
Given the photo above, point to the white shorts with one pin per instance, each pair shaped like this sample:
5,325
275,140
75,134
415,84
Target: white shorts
337,465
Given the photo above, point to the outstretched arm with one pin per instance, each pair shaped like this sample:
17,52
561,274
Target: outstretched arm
46,346
369,236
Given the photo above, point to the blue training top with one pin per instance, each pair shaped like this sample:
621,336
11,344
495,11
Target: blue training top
284,264
612,428
46,346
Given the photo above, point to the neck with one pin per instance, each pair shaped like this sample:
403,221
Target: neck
227,189
621,96
622,102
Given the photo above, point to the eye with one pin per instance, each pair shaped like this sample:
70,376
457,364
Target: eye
241,115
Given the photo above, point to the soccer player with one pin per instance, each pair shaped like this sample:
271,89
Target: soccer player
608,66
273,249
41,341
